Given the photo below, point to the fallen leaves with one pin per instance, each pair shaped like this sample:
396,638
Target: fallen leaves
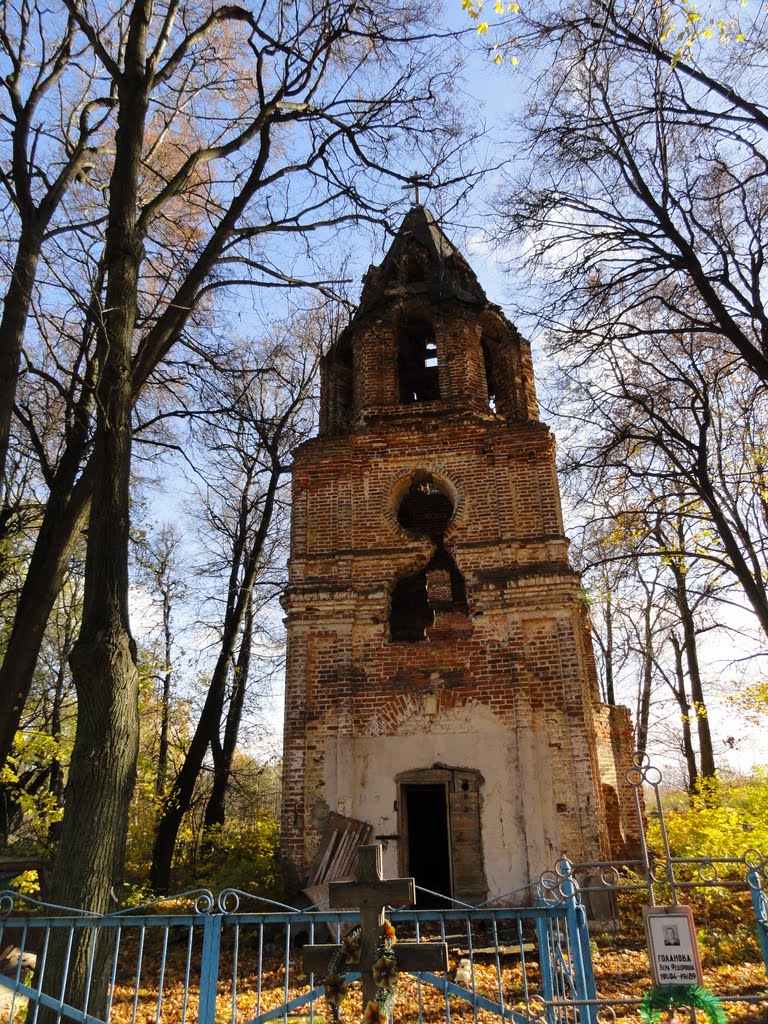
620,973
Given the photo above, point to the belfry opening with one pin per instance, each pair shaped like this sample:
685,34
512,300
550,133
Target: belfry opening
418,371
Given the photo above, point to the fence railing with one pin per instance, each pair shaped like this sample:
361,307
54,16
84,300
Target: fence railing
657,875
223,962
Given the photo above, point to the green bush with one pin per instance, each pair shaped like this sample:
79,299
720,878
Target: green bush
725,818
243,855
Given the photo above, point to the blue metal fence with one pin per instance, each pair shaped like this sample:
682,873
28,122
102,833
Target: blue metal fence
134,943
238,959
222,962
757,885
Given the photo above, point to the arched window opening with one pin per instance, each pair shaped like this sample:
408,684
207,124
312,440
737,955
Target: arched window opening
490,376
425,510
418,371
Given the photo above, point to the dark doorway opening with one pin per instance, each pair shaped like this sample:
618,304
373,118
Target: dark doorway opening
429,859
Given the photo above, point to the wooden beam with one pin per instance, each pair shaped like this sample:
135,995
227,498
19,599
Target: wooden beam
410,956
19,864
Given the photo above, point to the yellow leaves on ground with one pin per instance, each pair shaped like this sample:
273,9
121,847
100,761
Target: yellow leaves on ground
620,974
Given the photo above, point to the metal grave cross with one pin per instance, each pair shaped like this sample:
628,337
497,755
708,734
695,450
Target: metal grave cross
371,892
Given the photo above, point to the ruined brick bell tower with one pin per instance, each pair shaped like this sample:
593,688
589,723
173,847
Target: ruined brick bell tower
440,681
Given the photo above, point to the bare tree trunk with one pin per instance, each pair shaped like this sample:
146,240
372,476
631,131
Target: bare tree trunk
64,518
89,866
223,757
685,716
180,793
57,770
13,325
646,682
65,515
610,696
165,707
706,752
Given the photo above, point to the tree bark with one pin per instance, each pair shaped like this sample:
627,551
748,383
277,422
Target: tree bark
64,518
165,707
685,716
12,327
646,683
57,781
706,752
610,694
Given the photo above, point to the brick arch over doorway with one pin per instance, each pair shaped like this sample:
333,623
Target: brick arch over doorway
392,714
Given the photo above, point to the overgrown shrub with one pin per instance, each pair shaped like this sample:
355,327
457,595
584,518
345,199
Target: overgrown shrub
241,855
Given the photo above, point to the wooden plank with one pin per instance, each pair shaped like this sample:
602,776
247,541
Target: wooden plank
317,957
319,875
392,891
336,854
19,864
360,836
337,867
421,956
317,894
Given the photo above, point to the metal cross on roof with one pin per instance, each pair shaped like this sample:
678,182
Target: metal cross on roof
415,182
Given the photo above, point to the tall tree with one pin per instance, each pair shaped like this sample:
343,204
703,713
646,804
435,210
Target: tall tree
158,554
679,425
260,417
643,207
236,135
36,52
653,601
646,198
254,126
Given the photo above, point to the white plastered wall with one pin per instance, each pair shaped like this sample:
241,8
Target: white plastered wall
361,776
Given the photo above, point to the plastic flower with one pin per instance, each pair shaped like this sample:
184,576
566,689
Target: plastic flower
336,988
385,971
389,932
351,946
373,1014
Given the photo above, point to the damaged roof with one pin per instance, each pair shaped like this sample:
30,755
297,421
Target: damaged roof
421,260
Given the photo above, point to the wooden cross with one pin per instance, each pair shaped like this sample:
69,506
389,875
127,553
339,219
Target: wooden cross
372,893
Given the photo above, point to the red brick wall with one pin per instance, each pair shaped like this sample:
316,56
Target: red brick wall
520,651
